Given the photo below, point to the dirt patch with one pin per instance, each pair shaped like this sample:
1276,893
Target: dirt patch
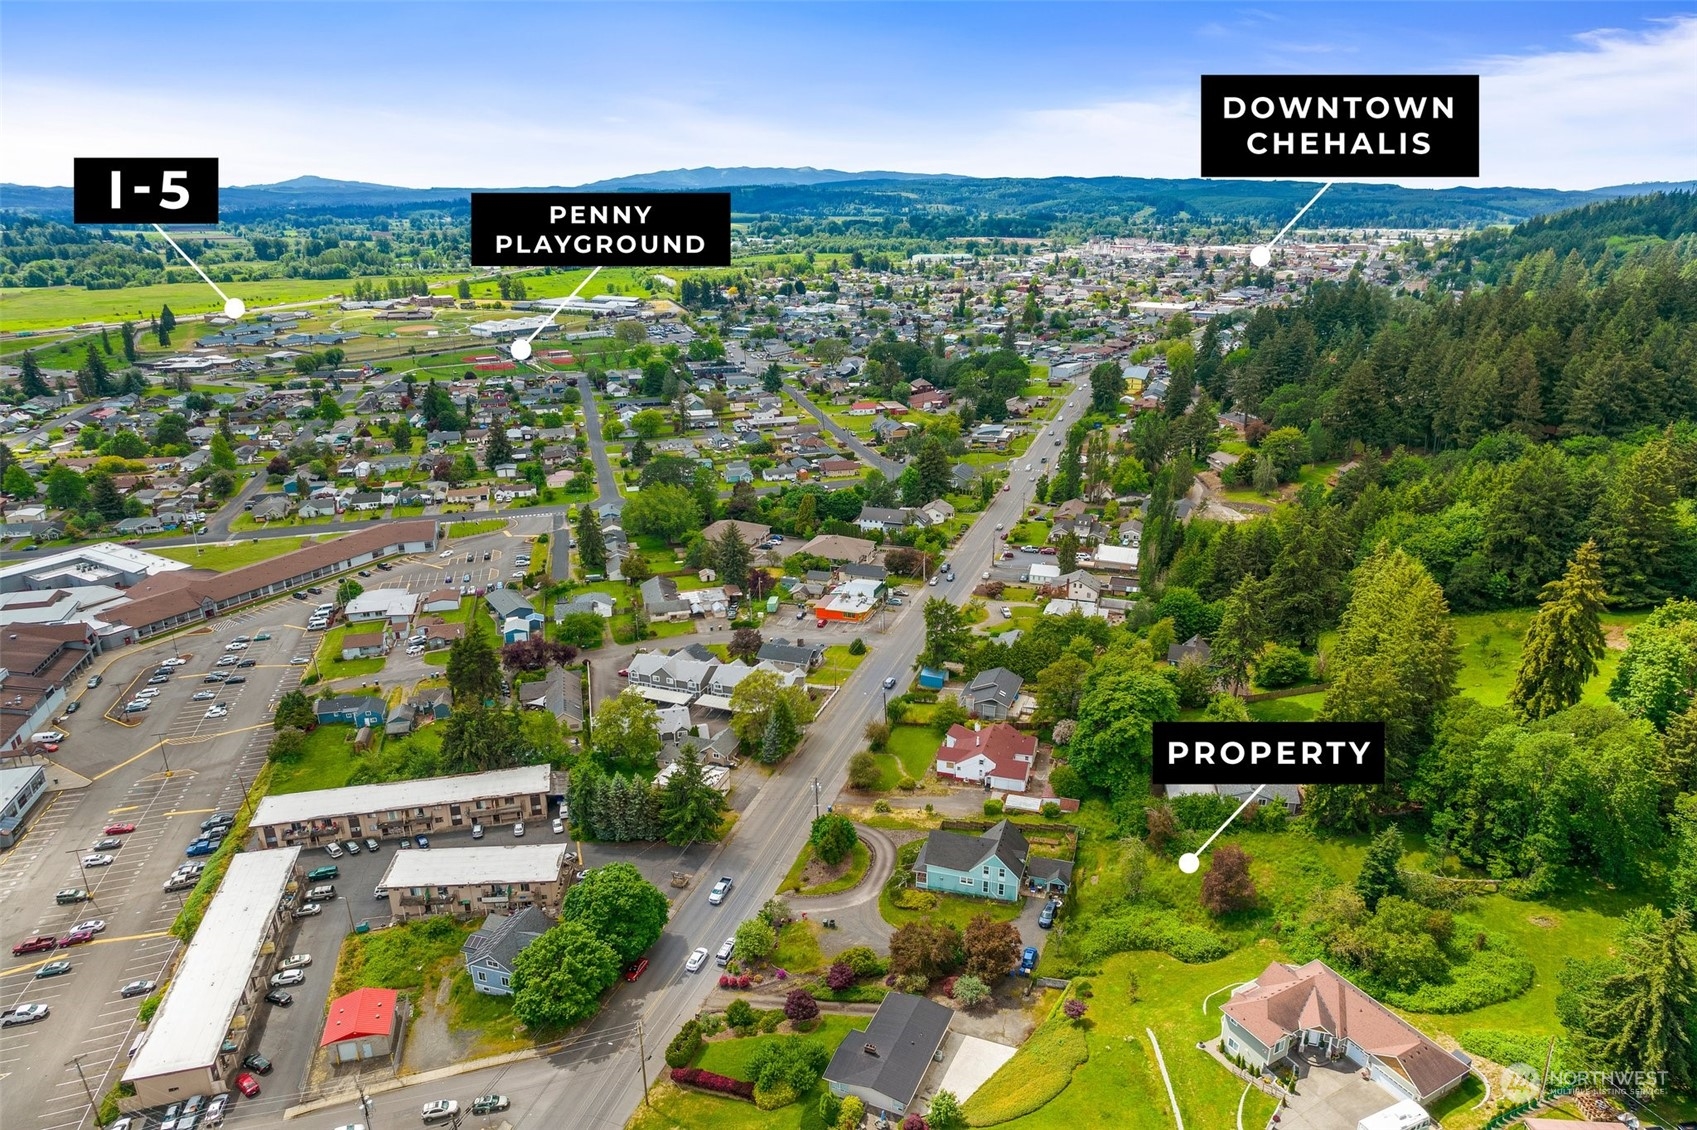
1542,921
1614,637
817,872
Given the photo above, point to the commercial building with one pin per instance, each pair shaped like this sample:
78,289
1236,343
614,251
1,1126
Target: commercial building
21,789
472,881
39,661
218,983
402,808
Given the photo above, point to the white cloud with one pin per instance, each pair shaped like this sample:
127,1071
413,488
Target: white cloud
1615,109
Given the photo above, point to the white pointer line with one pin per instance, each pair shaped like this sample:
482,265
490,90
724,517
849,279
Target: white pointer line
521,349
1192,860
227,299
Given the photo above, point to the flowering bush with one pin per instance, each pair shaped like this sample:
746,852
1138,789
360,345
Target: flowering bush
840,976
713,1081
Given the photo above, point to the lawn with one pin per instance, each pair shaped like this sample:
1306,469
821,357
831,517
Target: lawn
327,763
853,871
223,556
34,308
731,1056
491,1017
839,664
329,663
404,958
798,949
1490,653
956,910
1112,1080
911,750
474,527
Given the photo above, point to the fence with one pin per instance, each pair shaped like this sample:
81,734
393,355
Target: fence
1520,1110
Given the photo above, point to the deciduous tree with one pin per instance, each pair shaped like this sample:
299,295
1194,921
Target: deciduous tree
833,837
620,907
991,948
1228,887
558,979
624,732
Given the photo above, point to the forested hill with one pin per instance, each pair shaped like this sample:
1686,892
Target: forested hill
1592,331
1601,234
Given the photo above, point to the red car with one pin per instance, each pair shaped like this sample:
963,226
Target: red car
119,829
624,672
76,938
635,969
247,1084
1048,551
49,747
34,945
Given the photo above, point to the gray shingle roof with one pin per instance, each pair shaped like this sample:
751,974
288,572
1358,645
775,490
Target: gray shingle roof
956,852
906,1033
501,938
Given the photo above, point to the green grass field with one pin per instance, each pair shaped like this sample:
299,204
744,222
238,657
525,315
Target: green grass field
327,763
224,556
36,308
329,662
859,861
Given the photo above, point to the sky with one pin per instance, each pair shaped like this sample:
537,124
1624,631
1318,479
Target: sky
499,95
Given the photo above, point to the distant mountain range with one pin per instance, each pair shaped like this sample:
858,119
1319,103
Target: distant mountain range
988,206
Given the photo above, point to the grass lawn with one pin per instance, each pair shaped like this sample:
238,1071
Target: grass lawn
491,1017
223,556
857,863
1112,1080
1490,652
915,747
329,662
1296,708
404,958
31,308
957,910
328,762
472,528
732,1056
798,949
839,665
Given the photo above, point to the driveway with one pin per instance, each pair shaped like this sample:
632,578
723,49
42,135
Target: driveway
1332,1097
855,911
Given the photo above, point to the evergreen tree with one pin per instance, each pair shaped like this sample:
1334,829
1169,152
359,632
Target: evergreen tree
1381,873
164,324
98,376
103,493
935,471
1564,642
1639,528
30,381
474,670
401,436
1641,1016
1066,554
782,733
591,547
498,449
731,558
105,342
1242,632
689,806
129,339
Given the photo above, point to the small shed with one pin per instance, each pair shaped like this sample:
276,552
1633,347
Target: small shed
932,678
360,1026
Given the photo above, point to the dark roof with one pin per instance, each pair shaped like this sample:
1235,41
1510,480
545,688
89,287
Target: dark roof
906,1032
1042,867
956,852
1195,645
350,702
506,602
998,683
781,652
501,938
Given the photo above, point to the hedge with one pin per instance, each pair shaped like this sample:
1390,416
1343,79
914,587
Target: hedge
713,1081
1489,977
684,1045
1159,930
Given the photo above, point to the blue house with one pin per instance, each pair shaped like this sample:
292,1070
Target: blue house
932,679
357,710
489,953
990,865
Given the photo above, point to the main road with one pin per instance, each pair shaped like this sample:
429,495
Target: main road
598,1080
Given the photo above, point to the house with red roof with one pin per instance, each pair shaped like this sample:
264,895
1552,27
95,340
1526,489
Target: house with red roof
360,1025
1293,1011
996,756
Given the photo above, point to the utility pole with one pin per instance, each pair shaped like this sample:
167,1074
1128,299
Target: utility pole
642,1061
94,1108
816,788
365,1104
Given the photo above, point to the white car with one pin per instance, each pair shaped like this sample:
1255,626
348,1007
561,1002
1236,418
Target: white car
440,1111
720,890
445,554
92,925
415,649
217,712
174,661
299,661
203,696
518,828
295,961
148,692
239,645
214,1115
227,661
559,826
101,860
24,1014
286,978
696,960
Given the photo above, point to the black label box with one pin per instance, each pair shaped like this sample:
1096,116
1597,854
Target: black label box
144,190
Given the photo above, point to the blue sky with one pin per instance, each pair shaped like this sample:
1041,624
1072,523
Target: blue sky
507,94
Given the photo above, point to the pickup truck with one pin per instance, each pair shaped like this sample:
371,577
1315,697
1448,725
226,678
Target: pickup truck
720,890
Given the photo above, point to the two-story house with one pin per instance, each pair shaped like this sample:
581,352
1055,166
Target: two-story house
990,865
490,951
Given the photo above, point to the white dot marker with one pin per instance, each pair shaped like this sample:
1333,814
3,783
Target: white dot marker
1261,256
1190,863
521,349
234,308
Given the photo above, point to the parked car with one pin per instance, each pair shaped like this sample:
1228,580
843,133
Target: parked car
696,960
1027,961
1046,919
440,1111
353,847
279,998
53,969
319,874
421,841
203,696
719,891
92,925
76,938
476,831
257,1064
71,895
559,826
295,961
214,1112
636,969
37,944
324,892
247,1085
490,1104
371,845
518,827
137,988
309,910
24,1014
286,978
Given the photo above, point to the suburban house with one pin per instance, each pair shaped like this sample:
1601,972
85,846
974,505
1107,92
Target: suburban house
357,710
881,518
883,1065
441,600
791,657
996,756
660,600
363,645
504,604
559,692
993,694
989,865
489,952
1313,1006
395,606
1194,646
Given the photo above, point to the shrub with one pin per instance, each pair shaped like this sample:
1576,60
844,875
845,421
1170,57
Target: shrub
1064,779
1281,666
839,976
881,806
800,1007
970,991
877,734
992,807
1152,929
912,983
830,1107
770,1019
907,785
777,1095
740,1014
1083,989
863,772
713,1081
1063,733
1489,977
864,960
144,1014
712,1023
1050,810
1075,1009
684,1045
852,1114
857,646
914,1121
